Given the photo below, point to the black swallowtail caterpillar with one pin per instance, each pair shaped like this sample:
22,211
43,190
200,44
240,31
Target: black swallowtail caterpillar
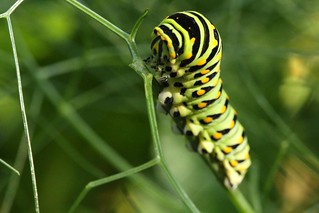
186,57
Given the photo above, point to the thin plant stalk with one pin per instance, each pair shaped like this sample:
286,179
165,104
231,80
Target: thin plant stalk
24,117
148,79
9,166
102,181
240,201
11,9
13,185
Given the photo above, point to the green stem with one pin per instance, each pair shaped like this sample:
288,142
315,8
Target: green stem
24,117
131,41
9,166
100,19
11,9
240,201
148,79
111,178
14,182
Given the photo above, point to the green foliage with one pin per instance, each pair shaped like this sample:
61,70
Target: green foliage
78,87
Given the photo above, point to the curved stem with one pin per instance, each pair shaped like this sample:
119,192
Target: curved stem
132,45
118,31
111,178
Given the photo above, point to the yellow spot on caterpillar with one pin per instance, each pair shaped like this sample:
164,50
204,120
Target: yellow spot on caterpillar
232,124
202,105
172,55
208,119
204,80
223,109
247,156
218,95
217,135
204,72
201,62
188,55
234,163
228,149
201,92
241,140
193,40
219,55
215,43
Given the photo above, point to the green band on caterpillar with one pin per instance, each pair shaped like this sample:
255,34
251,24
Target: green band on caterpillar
186,57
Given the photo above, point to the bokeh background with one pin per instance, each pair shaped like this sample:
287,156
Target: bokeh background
270,70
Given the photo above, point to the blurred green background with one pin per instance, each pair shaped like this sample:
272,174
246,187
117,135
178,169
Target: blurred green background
270,70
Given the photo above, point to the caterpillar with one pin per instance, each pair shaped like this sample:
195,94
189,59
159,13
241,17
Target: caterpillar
186,56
